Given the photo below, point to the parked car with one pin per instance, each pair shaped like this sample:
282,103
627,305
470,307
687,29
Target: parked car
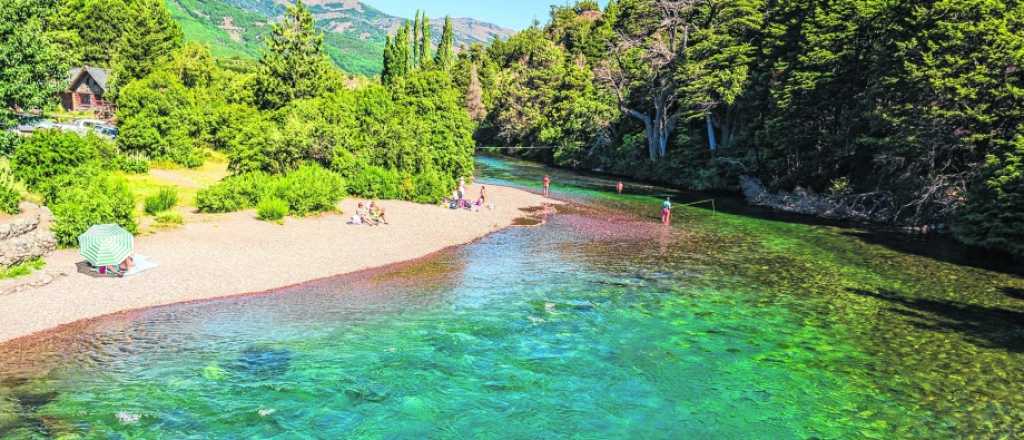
29,123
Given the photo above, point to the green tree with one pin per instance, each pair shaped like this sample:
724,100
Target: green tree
445,57
32,67
293,65
425,60
150,36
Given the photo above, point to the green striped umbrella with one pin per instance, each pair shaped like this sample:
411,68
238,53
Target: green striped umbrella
105,245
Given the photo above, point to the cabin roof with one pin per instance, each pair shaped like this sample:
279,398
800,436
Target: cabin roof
99,75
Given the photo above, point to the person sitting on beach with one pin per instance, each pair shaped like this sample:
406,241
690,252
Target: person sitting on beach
453,202
360,216
377,213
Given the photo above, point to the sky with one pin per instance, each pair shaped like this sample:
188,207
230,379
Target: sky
515,14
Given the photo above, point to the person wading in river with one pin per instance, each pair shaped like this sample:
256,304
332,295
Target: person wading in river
547,183
666,212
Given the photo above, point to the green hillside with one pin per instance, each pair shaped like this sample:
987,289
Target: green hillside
236,29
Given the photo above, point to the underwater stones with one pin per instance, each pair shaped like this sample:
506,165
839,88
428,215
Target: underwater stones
127,418
366,393
214,372
263,362
8,413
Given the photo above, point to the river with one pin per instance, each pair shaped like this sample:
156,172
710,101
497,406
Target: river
598,323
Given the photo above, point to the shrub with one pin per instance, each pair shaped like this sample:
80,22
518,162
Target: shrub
8,142
431,187
134,164
310,189
306,190
234,193
9,200
163,200
102,199
50,153
169,218
22,269
375,182
272,209
10,197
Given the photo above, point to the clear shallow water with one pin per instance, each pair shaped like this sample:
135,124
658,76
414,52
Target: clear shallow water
598,324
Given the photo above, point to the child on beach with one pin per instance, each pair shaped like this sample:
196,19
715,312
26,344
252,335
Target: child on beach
666,211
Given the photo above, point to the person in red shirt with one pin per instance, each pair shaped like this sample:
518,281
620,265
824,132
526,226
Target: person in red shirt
547,183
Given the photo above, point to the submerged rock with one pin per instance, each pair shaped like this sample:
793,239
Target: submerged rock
263,362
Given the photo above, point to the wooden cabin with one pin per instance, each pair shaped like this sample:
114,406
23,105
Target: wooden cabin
86,87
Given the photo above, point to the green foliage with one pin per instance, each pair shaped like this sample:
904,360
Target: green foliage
169,218
149,37
163,200
293,65
374,182
22,269
308,189
994,215
99,200
32,65
234,193
9,199
134,164
445,58
271,209
49,153
158,120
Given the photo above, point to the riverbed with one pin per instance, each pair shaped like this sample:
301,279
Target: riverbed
597,322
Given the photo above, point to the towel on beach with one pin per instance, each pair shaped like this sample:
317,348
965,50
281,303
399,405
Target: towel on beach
142,264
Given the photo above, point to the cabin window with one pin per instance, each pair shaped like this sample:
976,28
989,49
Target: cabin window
85,99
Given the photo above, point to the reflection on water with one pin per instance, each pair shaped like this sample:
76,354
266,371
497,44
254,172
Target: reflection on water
598,323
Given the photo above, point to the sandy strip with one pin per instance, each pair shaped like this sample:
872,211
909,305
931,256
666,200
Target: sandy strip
234,253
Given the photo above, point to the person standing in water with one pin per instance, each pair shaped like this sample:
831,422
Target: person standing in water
666,212
618,187
547,184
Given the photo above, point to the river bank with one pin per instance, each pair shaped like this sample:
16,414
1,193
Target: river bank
230,254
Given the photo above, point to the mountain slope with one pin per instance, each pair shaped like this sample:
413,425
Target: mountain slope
354,32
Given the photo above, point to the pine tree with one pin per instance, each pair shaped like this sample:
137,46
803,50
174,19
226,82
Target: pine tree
425,59
446,50
475,96
150,36
293,64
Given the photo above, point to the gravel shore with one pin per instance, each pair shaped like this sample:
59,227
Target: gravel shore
227,254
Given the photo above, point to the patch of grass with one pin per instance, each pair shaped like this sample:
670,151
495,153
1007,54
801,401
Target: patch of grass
163,200
22,269
272,209
186,181
168,218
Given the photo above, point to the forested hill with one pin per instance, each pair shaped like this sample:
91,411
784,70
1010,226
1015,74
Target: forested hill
908,113
354,32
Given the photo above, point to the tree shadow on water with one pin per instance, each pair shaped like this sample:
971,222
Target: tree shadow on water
1014,292
985,326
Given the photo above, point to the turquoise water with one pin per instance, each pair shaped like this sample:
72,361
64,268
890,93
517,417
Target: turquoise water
597,324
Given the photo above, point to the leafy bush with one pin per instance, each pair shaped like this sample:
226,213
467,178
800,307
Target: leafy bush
169,218
8,142
134,164
375,182
431,187
234,193
9,199
306,190
50,153
271,209
99,200
163,200
310,189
